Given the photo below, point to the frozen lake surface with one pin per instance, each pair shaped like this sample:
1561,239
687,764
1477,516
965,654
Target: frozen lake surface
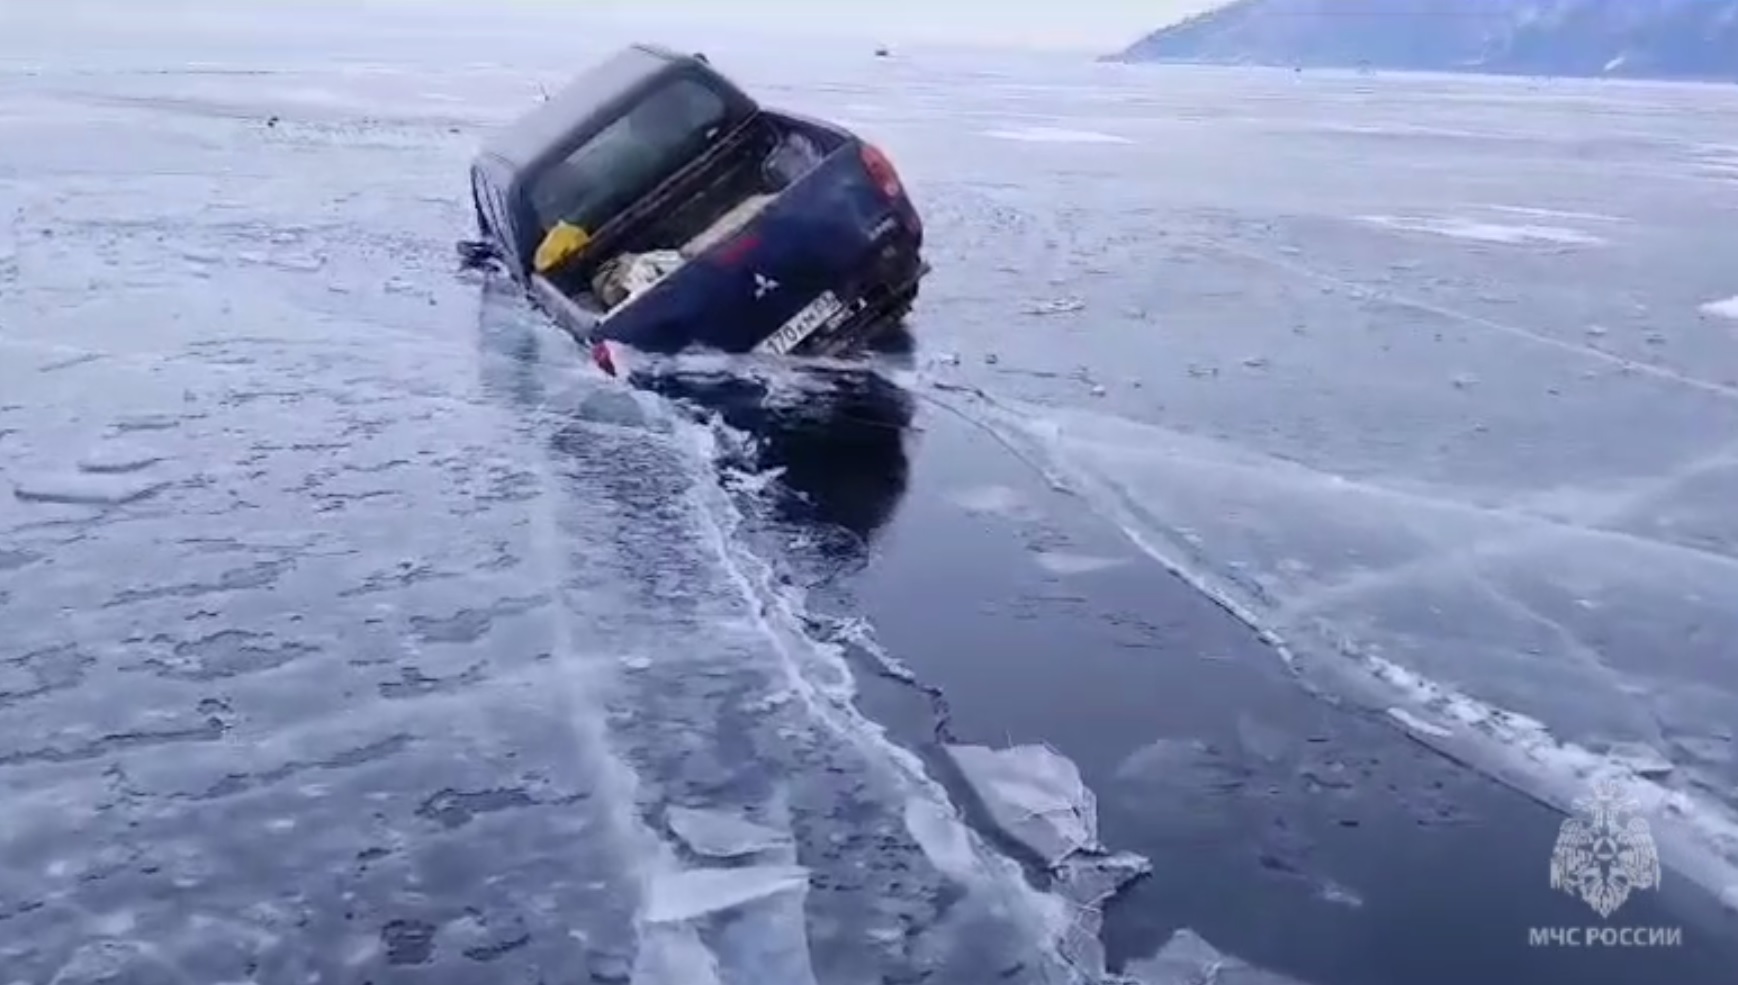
354,626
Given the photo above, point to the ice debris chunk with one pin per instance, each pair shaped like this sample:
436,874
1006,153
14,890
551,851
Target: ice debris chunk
678,897
1187,959
1035,796
1641,759
1086,882
717,834
669,955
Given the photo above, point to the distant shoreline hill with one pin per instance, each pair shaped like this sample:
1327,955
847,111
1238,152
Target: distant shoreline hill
1637,39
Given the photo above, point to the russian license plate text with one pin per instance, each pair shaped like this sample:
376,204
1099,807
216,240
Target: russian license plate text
804,324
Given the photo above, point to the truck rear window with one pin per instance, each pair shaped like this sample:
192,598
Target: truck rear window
630,156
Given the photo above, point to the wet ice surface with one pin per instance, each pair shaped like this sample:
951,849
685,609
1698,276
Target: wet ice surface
352,632
1453,428
1187,959
353,627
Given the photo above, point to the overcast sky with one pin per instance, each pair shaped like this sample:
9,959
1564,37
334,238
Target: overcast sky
1100,25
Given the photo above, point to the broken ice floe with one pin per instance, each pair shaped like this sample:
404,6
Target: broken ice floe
1085,883
678,897
1187,959
670,955
1639,758
717,834
858,633
1035,796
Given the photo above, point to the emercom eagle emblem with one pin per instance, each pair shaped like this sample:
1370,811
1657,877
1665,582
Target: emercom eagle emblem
1605,852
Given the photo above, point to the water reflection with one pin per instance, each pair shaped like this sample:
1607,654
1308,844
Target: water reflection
838,435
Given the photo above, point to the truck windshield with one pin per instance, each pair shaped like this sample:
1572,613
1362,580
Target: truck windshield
630,156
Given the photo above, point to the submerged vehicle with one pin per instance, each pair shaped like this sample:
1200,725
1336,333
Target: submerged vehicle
655,204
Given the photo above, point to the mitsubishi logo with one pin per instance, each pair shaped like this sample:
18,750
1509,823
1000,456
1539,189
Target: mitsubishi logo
763,285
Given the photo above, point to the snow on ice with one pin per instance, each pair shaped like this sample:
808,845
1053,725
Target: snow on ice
1458,227
1726,308
1055,135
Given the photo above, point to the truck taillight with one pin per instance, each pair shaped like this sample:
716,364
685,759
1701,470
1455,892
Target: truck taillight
882,172
600,354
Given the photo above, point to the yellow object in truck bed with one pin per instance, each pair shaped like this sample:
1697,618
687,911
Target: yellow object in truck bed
560,245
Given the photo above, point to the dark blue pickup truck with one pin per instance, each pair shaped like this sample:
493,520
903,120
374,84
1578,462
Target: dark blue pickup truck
654,204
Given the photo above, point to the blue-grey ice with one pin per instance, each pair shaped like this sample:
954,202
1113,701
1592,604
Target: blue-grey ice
1035,795
678,897
1723,308
1543,631
1000,501
719,834
117,457
86,488
1067,563
1466,228
1054,135
1187,959
328,571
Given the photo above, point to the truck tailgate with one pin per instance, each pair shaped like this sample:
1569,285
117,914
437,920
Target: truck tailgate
818,235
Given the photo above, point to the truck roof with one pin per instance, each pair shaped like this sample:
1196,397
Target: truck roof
549,127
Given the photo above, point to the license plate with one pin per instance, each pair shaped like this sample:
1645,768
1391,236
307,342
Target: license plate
803,324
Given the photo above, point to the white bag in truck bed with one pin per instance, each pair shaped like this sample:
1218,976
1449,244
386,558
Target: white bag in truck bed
632,274
727,224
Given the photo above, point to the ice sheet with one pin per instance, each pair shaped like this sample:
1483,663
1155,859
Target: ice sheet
1550,637
351,577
